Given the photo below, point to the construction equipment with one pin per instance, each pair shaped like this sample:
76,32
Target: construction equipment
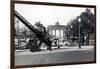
42,38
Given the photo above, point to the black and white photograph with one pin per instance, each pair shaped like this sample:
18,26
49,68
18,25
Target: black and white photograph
47,34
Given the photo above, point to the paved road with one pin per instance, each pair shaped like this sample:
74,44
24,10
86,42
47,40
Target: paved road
64,55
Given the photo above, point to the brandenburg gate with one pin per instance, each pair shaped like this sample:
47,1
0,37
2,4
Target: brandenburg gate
57,30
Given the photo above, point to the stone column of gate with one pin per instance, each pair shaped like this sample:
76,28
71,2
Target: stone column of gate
60,33
48,31
55,33
63,34
51,32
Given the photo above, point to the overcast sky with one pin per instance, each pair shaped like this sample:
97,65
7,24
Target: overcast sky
48,15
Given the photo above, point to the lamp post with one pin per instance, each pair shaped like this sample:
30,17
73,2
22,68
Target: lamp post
71,33
18,36
79,20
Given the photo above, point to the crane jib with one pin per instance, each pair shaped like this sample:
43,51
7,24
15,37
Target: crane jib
33,29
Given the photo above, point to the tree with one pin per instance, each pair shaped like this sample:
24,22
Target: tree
42,30
86,25
87,18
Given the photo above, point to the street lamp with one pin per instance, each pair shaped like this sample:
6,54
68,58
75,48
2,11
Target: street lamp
71,26
79,20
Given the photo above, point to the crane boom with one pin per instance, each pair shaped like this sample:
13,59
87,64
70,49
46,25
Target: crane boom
46,40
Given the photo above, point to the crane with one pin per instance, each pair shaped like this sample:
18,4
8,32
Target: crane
45,39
